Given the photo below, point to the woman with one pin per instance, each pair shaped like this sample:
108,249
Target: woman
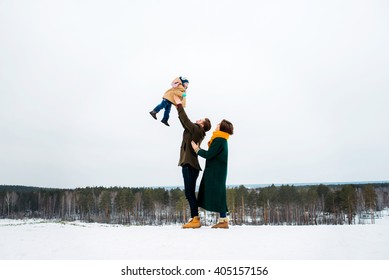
212,192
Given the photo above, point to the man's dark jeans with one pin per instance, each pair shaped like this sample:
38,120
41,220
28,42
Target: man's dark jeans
190,175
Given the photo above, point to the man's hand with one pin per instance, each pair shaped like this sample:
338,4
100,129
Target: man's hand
177,100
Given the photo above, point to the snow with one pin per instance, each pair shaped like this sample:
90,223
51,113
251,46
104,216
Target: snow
53,240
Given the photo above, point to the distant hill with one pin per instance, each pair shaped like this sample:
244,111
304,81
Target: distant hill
328,184
19,188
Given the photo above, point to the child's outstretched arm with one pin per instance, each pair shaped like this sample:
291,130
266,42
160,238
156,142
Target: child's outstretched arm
179,93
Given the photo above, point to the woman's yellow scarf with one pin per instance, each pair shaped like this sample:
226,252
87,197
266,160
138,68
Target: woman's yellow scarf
218,134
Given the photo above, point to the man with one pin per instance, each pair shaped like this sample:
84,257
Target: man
189,161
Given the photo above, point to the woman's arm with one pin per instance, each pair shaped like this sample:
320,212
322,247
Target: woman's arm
215,149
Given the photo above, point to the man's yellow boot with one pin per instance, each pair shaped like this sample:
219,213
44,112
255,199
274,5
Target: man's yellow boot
222,223
193,223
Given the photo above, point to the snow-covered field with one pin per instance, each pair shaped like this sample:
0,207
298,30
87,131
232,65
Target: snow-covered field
42,240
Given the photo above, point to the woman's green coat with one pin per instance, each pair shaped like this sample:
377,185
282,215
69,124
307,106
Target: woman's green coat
212,192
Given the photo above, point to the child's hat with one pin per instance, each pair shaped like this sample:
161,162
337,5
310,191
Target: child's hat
184,80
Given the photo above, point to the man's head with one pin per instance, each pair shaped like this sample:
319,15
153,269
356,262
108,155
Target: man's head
205,123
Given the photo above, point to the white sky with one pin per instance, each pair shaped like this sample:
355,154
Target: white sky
305,84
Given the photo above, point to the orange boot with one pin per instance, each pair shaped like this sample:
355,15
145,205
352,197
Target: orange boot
193,223
222,223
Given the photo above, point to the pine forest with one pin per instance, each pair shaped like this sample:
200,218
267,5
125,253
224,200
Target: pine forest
272,205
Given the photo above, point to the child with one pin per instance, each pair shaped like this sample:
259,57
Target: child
179,86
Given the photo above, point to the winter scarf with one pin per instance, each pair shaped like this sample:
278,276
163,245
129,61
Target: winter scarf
218,134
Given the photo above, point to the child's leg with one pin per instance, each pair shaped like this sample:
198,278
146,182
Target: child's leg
162,105
168,107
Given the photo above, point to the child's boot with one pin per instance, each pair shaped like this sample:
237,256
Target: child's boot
153,114
165,122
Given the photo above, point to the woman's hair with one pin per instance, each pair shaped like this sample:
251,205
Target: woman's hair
227,126
207,124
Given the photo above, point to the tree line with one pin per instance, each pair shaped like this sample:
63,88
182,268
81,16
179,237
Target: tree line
272,205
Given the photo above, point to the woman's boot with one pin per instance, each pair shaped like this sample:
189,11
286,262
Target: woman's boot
222,223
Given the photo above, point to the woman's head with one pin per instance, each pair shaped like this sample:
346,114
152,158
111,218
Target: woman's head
226,126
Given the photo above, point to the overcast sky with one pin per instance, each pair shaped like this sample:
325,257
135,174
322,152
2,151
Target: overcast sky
305,84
